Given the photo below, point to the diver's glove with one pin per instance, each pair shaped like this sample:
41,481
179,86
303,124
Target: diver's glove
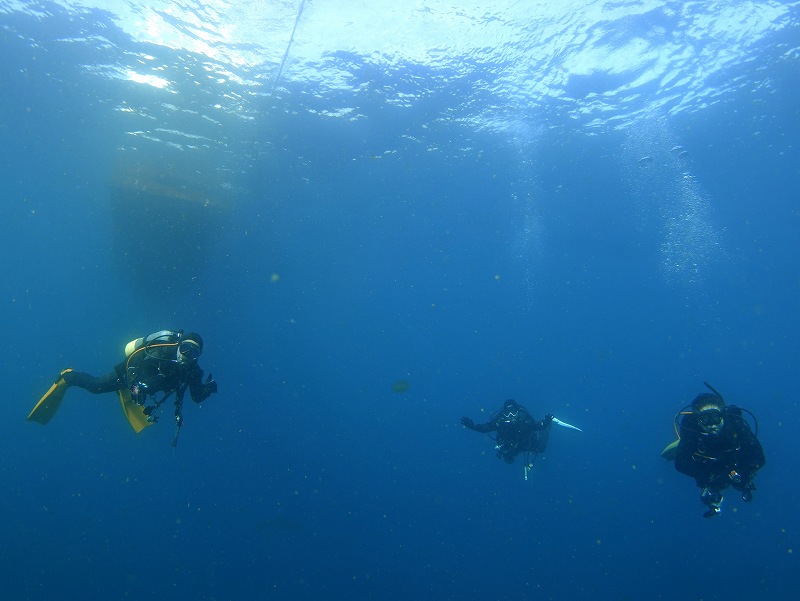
746,487
210,387
467,423
548,419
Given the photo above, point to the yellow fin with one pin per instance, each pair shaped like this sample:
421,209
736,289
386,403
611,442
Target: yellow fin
670,450
133,412
47,406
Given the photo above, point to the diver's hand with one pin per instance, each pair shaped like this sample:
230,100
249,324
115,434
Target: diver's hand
467,423
210,387
548,419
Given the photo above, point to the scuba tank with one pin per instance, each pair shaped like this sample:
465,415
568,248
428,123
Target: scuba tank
158,346
160,337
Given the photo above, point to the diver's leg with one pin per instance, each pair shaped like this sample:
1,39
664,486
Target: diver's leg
713,499
95,385
542,437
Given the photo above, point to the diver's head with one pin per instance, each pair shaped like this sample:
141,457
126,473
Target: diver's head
190,347
510,410
708,408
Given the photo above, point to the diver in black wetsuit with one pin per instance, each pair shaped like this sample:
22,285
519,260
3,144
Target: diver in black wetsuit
718,449
162,363
517,430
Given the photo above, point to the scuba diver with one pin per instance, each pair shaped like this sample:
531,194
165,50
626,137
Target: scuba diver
517,432
716,447
162,363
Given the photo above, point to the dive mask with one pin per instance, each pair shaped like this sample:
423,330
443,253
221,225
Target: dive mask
189,349
710,418
510,416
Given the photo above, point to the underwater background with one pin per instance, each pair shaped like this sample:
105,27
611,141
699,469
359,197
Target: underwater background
382,216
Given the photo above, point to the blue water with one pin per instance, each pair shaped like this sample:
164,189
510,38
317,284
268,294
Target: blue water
590,207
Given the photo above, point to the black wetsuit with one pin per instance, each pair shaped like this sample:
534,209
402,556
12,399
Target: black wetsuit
151,370
517,432
715,461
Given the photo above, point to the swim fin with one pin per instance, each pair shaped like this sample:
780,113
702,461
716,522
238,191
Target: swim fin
47,406
670,450
566,425
133,413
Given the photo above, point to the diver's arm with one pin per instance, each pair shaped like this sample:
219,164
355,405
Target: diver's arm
751,456
197,389
684,462
487,427
706,473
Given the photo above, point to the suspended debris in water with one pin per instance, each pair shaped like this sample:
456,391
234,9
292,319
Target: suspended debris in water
400,386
